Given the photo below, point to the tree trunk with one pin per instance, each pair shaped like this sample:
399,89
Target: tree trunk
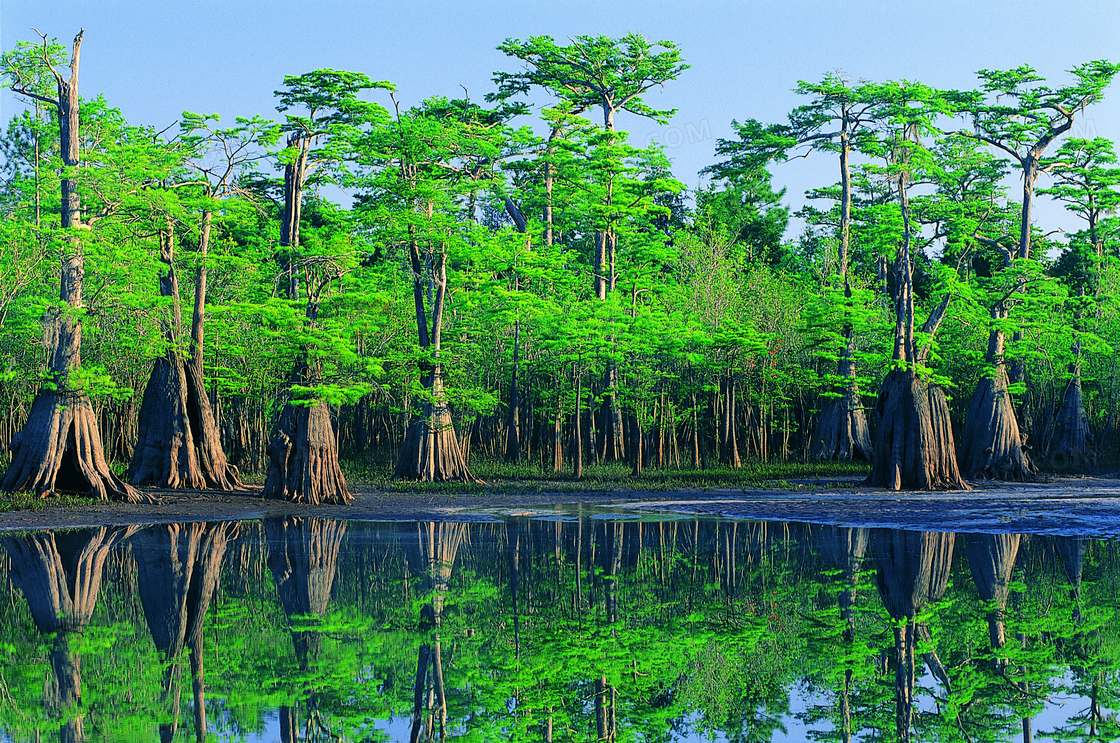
991,558
842,432
59,448
178,444
914,446
1072,444
303,458
914,442
430,451
992,446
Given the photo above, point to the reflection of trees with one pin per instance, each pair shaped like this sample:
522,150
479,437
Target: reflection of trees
534,630
844,548
913,569
439,544
991,557
303,559
178,566
60,576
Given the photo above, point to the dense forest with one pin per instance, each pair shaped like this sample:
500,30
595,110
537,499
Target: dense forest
358,284
581,629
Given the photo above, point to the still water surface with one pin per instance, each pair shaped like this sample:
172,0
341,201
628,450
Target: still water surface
559,629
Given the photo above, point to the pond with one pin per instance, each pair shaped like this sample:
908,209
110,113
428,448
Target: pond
572,627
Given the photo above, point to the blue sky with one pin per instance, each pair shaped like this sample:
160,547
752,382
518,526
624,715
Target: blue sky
155,59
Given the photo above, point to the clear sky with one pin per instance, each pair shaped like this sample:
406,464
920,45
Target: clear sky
154,59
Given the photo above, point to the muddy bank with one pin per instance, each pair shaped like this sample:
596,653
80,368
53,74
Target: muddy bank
1089,506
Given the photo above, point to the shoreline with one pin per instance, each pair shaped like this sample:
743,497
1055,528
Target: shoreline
1070,506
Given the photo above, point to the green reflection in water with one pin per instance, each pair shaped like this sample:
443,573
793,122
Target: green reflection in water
584,630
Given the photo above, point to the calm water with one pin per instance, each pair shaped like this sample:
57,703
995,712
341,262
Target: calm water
571,629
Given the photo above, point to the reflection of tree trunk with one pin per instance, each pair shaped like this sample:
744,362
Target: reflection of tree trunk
303,558
991,557
439,544
1071,550
178,566
60,576
844,548
913,568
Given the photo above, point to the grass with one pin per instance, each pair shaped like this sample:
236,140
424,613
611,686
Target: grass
29,502
501,477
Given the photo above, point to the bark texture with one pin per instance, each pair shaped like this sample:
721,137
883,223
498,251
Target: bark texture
842,432
1073,440
992,447
178,444
430,451
59,450
59,447
914,443
303,457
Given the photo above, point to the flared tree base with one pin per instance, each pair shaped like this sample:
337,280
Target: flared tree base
178,442
1072,444
59,451
914,445
303,458
430,452
842,433
992,447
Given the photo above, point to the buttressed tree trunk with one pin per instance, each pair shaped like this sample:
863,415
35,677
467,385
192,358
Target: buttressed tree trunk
914,446
303,454
59,448
430,451
992,446
1072,444
178,444
60,576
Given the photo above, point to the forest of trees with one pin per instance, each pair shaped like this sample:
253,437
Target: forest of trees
404,289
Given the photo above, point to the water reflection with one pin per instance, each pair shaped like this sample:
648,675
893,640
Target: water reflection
586,629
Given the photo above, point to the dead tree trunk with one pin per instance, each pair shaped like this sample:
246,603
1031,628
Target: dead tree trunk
59,448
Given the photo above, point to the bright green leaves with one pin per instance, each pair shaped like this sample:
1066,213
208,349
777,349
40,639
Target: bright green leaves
593,71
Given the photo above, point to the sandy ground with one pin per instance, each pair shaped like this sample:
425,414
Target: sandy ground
1081,505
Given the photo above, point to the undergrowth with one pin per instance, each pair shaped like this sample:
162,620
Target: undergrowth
502,477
